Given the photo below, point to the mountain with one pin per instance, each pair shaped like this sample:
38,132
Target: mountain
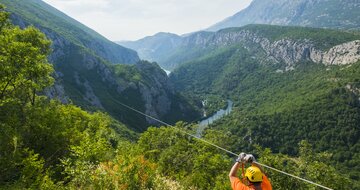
315,44
287,83
334,14
342,14
154,47
162,48
87,70
282,47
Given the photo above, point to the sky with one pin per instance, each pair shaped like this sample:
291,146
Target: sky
134,19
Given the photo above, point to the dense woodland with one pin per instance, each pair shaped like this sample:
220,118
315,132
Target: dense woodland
45,144
278,109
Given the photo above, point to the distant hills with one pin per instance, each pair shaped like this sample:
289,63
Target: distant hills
332,14
342,14
96,73
202,43
153,47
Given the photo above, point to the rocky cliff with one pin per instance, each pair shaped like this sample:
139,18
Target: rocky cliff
287,50
157,92
288,45
280,44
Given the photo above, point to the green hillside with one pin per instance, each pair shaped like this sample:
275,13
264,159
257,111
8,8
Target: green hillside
86,67
276,108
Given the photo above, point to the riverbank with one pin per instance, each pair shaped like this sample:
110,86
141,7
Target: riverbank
219,114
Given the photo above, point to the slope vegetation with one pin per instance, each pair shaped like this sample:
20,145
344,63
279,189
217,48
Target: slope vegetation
281,97
86,66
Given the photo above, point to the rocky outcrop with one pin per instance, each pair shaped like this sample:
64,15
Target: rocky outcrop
342,54
57,91
157,92
292,52
288,51
157,103
355,89
89,95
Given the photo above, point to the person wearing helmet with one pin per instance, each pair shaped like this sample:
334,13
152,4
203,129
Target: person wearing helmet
254,177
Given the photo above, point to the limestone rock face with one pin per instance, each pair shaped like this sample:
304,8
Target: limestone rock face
292,52
342,54
288,51
157,92
57,91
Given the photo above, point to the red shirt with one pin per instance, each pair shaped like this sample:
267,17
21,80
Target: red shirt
238,185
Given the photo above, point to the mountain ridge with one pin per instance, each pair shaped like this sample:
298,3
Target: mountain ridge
330,14
311,13
285,43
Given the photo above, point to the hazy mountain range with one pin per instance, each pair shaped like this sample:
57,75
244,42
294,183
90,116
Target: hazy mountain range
312,13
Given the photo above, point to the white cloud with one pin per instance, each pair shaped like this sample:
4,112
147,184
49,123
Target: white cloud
134,19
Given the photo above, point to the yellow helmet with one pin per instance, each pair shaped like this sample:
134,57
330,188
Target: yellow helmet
253,174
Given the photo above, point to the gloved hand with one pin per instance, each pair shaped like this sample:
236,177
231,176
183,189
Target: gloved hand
249,158
241,157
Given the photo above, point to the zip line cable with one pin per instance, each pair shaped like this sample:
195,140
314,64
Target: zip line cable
294,176
162,122
214,145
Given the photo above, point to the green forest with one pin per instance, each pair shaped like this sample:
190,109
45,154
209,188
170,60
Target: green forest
278,109
45,144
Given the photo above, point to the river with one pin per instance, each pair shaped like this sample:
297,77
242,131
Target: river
219,114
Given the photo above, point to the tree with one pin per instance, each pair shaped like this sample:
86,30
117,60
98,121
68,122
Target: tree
24,69
186,160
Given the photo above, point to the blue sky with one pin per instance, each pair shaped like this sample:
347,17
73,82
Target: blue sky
135,19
